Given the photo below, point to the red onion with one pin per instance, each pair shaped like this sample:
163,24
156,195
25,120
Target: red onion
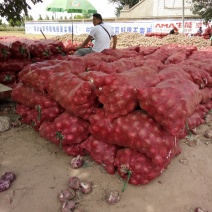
86,187
74,183
68,206
9,176
112,197
66,195
77,162
200,209
4,185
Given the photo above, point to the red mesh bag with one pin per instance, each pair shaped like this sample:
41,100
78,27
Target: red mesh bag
117,92
101,152
39,78
73,150
137,167
170,103
137,131
7,77
72,93
32,97
66,129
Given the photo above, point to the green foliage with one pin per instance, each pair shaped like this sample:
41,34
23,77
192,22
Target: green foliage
12,10
203,8
47,17
121,3
82,16
0,21
11,23
40,18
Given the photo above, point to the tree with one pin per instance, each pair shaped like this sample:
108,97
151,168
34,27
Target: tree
11,23
40,18
12,10
47,17
121,3
203,8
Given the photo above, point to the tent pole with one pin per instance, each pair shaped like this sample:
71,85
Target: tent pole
72,28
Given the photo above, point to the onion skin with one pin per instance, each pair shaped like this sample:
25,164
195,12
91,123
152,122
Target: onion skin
74,183
86,187
77,162
4,184
68,206
112,197
9,176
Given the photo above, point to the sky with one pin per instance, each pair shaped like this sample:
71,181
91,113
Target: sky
103,7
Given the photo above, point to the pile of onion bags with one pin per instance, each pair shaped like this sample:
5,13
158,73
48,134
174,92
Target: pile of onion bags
170,103
117,92
138,131
40,106
199,76
101,152
65,130
136,167
121,53
39,77
18,47
74,94
121,65
159,55
35,117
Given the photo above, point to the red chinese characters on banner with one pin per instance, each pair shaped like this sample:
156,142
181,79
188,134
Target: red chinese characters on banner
166,26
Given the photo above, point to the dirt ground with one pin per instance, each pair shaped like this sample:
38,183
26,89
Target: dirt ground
43,170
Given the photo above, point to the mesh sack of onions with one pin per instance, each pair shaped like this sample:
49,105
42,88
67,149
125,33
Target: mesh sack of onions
74,150
39,77
101,152
35,117
117,92
32,97
14,65
170,103
171,72
138,131
199,76
159,54
206,95
72,93
136,167
5,52
121,53
66,129
205,64
118,66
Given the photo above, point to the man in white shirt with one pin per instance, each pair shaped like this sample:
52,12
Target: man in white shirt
101,33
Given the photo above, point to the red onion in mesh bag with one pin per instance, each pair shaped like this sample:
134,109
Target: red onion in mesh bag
102,152
138,131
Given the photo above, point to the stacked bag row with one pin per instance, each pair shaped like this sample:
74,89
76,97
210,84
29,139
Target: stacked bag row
126,108
16,53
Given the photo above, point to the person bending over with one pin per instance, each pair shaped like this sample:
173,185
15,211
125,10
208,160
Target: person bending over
101,33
